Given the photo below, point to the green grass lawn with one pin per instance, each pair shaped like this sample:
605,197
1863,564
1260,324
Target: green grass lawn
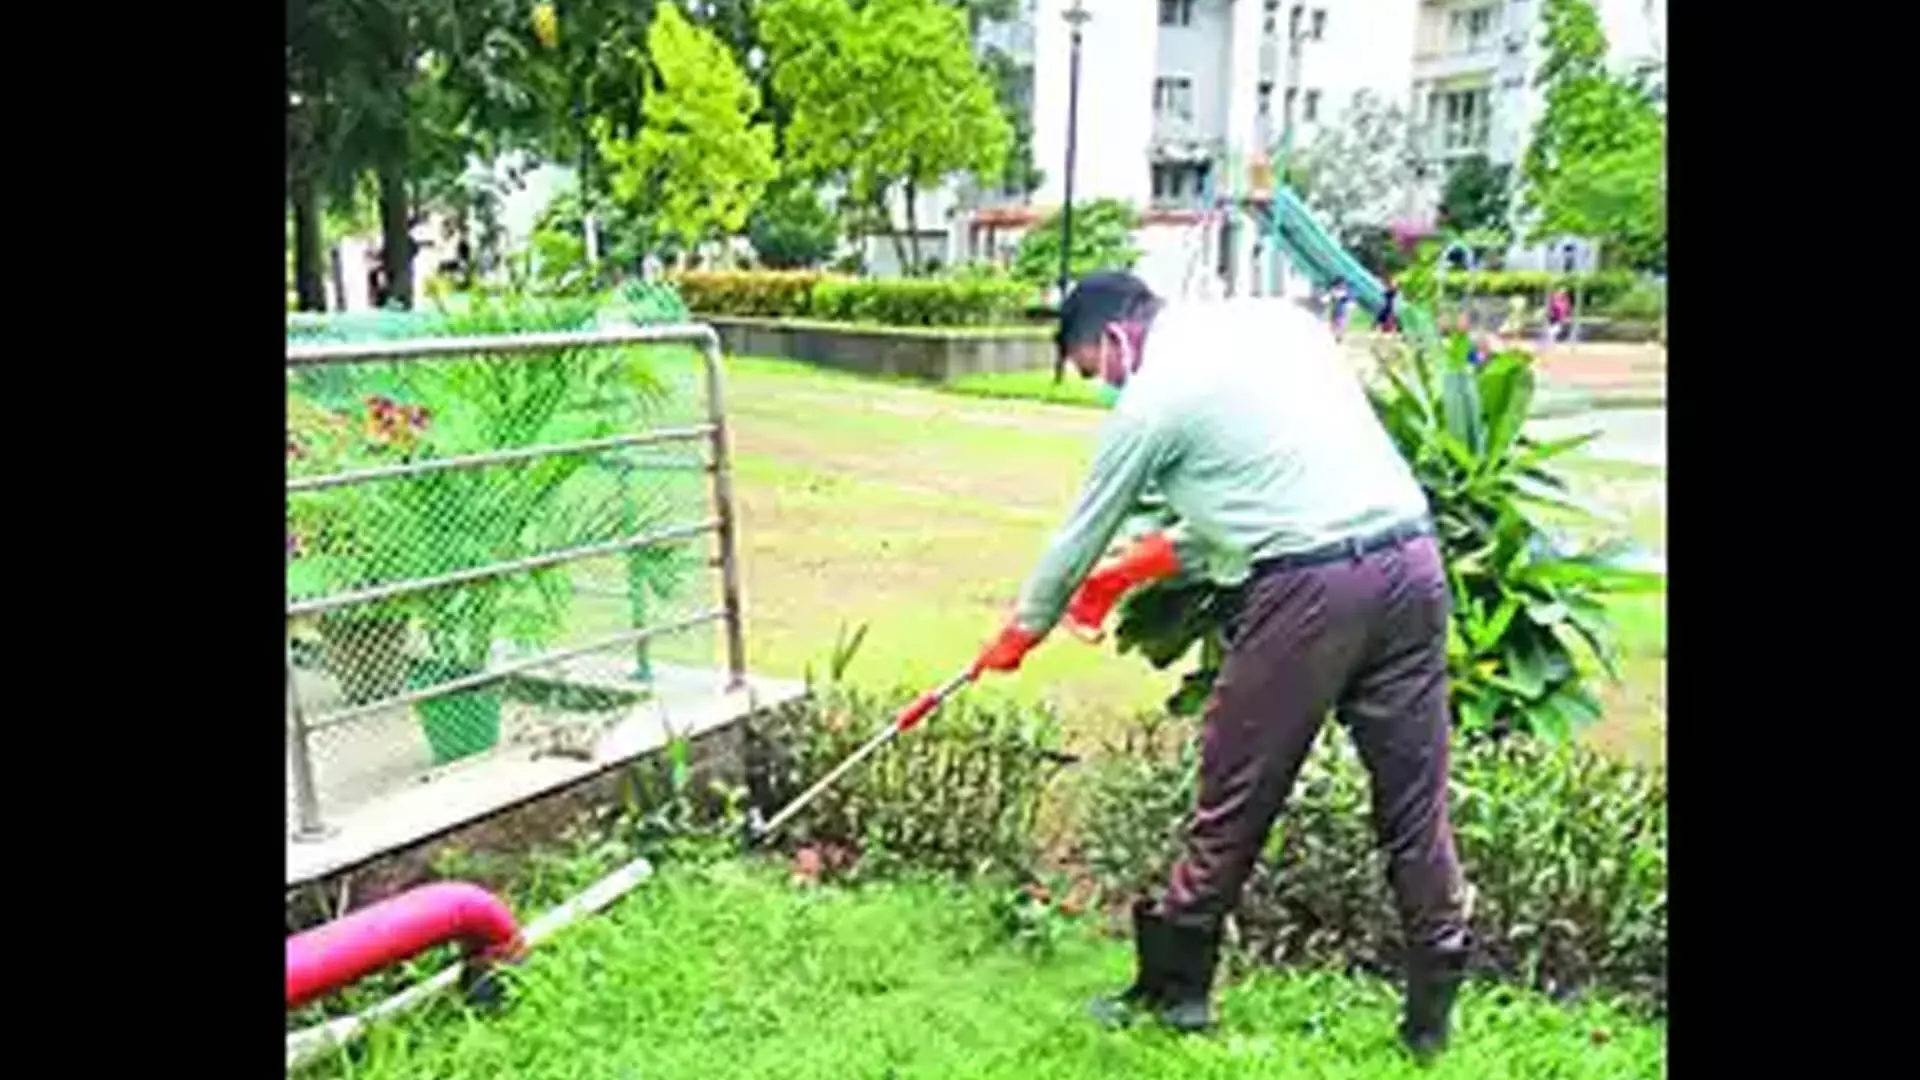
919,512
1029,386
733,972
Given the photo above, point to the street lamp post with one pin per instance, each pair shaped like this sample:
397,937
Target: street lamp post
1076,17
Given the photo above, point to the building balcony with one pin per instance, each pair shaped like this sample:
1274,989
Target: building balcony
1175,130
1436,146
1456,63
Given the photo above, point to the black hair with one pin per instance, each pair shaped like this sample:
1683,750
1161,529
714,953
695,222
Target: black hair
1097,301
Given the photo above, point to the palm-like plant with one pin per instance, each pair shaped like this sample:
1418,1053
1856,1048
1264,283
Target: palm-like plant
1525,607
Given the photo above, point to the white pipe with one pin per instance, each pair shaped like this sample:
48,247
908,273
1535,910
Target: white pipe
307,1044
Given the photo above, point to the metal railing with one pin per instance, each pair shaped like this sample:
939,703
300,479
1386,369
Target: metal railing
484,532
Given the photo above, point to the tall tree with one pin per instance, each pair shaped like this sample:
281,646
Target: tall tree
699,163
1012,89
1352,170
314,47
792,227
1476,195
1596,163
886,98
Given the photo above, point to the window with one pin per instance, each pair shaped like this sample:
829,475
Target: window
1463,118
1180,181
1470,30
1287,115
1173,96
1319,24
1310,111
1293,22
1479,24
1176,12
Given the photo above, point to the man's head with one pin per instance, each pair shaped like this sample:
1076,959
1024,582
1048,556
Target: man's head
1101,321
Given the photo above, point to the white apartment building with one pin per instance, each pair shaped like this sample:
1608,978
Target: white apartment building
1473,69
1178,97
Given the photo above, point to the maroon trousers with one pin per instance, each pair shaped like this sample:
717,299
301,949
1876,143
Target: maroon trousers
1365,638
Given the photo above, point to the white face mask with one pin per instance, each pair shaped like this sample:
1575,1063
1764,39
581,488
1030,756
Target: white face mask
1118,363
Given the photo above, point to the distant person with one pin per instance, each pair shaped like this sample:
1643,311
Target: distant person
1559,315
1340,303
1516,320
1389,320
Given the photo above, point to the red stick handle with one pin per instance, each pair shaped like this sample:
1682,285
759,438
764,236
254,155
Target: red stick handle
917,711
929,701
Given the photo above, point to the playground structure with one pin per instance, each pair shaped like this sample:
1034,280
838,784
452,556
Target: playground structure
1284,235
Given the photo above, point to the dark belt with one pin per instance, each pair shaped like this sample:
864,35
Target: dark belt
1354,547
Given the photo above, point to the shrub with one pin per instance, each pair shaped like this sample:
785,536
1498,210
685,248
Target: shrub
1646,301
958,794
1102,240
1521,606
1596,290
753,293
792,228
1566,851
972,300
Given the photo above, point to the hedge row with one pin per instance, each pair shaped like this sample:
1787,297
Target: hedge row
1595,290
943,301
1566,849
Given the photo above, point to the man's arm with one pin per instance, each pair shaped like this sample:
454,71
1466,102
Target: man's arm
1132,449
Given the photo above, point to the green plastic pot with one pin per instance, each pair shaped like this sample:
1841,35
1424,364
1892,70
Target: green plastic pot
457,725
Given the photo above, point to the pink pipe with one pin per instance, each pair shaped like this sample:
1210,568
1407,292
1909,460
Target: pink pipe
335,954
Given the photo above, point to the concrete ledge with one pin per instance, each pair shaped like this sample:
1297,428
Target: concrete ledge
926,353
466,793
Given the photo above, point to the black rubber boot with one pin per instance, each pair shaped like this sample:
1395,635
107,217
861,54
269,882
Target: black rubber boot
1120,1010
1192,954
1175,962
1433,980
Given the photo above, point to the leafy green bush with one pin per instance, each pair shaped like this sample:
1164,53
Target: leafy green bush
1596,290
1522,609
1565,849
1102,240
958,794
752,293
967,299
792,228
1646,301
973,300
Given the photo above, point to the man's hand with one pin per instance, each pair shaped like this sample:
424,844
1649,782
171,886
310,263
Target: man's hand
1005,652
1149,559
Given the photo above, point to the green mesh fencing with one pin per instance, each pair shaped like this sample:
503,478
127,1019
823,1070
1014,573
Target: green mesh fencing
491,551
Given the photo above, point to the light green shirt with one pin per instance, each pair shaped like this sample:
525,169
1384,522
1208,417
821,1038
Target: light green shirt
1246,435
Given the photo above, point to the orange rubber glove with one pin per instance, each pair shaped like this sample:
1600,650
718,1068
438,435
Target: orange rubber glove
1149,559
1005,652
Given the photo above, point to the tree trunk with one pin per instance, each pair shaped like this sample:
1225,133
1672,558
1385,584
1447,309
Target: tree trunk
309,284
396,233
883,215
913,232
